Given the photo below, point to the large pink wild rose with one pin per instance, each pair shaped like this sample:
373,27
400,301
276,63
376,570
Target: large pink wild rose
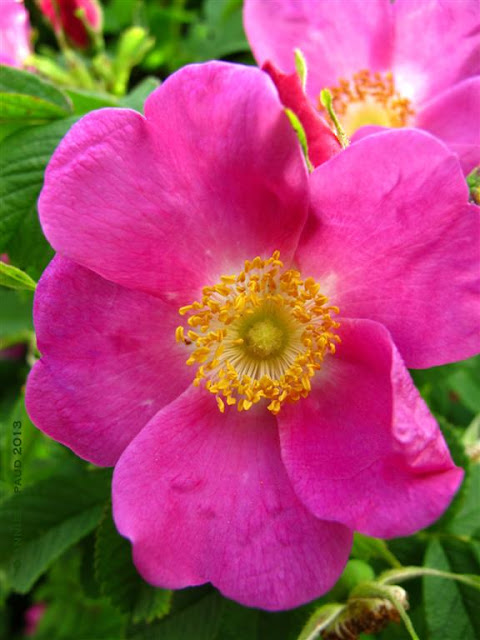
15,31
393,64
302,423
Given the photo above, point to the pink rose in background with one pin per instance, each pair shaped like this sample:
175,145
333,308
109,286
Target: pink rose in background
62,16
194,246
15,30
394,64
33,615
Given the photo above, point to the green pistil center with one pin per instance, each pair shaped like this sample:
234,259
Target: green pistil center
264,339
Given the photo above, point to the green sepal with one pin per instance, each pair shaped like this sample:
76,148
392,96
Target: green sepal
301,135
326,101
14,278
473,181
301,67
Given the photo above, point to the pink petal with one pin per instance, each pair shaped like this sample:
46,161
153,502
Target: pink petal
109,361
205,497
454,117
322,142
15,33
363,449
437,44
393,239
214,175
337,38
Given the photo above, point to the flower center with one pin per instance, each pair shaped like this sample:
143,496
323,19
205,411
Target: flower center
264,339
261,334
370,99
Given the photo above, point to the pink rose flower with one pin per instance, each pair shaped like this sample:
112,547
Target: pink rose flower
390,64
194,246
15,30
62,16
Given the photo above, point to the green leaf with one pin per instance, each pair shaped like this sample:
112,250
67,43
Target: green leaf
71,614
451,608
17,437
37,455
366,548
118,14
465,383
133,45
8,128
467,519
84,101
457,450
240,623
200,619
14,278
136,98
24,157
16,315
25,97
220,34
38,524
120,581
448,393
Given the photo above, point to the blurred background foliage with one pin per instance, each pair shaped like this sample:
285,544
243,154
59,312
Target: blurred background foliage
65,574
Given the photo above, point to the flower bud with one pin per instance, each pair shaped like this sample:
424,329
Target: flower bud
79,20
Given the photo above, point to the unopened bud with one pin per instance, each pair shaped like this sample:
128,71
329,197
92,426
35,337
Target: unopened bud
78,20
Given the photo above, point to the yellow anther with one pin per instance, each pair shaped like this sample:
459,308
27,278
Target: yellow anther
183,310
222,289
370,99
261,335
274,407
240,302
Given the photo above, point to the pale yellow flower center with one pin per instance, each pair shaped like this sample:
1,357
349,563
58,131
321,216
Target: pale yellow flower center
261,334
370,99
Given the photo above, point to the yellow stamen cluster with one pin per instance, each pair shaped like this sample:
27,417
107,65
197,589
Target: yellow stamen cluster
370,98
260,334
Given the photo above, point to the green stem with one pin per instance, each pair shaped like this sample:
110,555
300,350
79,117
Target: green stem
407,573
405,618
391,558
